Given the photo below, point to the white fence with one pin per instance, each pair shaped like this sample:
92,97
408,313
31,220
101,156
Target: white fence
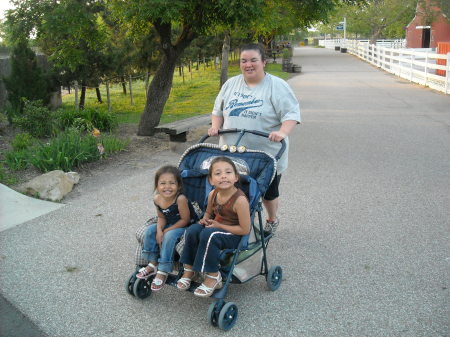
423,66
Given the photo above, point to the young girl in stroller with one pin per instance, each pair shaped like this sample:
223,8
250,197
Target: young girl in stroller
226,220
160,238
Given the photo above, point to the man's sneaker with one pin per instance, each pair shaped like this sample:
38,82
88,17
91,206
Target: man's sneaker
271,226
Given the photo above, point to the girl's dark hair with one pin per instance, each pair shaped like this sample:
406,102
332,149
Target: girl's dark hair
172,170
223,159
255,46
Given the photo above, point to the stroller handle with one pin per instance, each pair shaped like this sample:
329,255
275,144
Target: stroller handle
255,132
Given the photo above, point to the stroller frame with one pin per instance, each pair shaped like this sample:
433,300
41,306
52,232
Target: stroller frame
220,313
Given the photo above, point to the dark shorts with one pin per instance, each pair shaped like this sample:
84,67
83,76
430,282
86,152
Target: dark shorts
273,192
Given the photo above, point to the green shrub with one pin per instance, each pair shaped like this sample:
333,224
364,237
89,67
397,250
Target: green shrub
86,119
17,159
71,149
36,119
27,79
22,141
102,120
5,177
112,144
65,152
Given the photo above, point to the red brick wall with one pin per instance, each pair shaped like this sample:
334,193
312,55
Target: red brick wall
440,32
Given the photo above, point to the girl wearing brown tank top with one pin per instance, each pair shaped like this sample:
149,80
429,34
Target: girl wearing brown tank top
226,220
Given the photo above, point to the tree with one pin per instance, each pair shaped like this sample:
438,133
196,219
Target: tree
70,32
27,79
281,17
374,18
190,18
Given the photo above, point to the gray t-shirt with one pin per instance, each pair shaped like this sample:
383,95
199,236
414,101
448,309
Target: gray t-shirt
262,108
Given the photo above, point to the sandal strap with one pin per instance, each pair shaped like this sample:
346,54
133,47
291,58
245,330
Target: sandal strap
187,269
218,278
158,281
186,281
207,291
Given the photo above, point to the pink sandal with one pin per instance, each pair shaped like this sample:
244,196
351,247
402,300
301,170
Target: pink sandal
158,283
144,273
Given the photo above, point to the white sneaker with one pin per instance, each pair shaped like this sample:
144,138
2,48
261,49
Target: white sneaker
271,226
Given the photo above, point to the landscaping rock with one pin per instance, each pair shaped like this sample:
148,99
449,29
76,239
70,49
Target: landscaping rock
53,185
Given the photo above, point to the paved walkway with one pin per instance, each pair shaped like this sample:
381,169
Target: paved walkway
363,241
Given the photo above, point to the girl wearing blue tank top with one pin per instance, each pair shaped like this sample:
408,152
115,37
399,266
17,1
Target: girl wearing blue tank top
174,215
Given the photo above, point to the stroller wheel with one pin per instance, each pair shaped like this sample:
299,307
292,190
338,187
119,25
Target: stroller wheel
130,283
141,288
213,312
274,277
228,316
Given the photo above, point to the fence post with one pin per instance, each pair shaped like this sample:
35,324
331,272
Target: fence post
391,61
75,85
447,74
108,98
131,92
426,68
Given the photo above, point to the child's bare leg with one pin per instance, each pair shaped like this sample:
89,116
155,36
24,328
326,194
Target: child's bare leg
188,272
185,281
210,282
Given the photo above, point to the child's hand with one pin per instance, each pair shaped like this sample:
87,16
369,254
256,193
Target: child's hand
212,223
203,221
159,237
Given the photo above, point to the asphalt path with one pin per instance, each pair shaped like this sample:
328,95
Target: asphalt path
363,242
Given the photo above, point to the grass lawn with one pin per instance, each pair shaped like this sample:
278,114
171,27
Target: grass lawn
192,95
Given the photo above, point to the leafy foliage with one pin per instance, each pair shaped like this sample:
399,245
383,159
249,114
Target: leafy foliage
71,149
27,79
86,119
22,141
374,19
36,119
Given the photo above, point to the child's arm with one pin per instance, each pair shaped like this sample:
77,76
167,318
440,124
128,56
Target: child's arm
160,224
209,211
185,214
242,208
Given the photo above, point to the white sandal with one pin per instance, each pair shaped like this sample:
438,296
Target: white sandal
158,283
204,291
185,281
145,274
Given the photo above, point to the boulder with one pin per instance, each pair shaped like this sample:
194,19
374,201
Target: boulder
53,185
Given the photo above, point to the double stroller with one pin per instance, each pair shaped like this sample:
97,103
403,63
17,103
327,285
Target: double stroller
257,170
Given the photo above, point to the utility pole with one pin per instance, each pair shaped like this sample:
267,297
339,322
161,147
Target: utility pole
345,28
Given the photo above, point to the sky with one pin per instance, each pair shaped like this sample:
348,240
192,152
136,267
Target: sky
4,5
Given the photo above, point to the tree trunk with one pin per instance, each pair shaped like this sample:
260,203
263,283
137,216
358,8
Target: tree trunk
225,53
159,89
99,95
124,86
82,96
157,95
